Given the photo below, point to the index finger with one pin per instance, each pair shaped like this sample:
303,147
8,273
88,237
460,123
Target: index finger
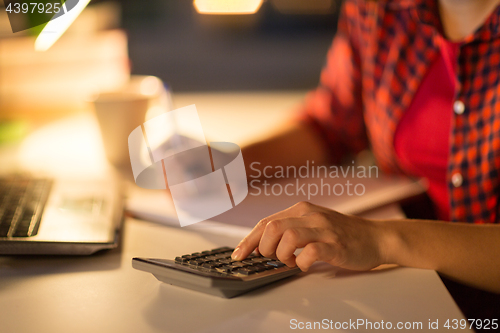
251,241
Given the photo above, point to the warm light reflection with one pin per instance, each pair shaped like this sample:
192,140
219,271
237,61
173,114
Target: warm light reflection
56,27
67,148
227,7
150,86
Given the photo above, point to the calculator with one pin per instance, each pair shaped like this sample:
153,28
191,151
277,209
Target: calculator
214,272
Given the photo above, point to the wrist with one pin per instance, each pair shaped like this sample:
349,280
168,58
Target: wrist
390,242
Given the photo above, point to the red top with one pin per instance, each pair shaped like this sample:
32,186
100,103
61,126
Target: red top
379,57
422,137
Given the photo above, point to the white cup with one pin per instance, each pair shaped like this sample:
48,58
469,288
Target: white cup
121,111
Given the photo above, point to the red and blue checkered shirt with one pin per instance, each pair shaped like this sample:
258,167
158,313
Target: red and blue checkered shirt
379,56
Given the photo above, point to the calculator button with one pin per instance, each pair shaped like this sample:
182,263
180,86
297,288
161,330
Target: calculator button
222,249
189,257
222,255
181,260
260,260
239,264
226,269
246,271
276,264
225,261
259,268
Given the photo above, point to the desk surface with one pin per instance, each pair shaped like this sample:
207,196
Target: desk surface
102,293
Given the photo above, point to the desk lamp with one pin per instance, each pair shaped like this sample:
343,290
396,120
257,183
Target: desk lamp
55,28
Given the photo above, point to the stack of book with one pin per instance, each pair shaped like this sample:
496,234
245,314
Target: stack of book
91,56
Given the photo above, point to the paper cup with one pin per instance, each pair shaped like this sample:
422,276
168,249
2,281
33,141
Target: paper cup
118,113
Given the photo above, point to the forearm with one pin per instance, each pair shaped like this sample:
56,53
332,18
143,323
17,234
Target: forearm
465,252
290,145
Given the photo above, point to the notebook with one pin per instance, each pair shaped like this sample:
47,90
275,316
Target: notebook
375,192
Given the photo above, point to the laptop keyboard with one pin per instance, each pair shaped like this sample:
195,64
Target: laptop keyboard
21,204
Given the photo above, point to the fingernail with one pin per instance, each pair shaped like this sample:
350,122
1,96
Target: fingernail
236,254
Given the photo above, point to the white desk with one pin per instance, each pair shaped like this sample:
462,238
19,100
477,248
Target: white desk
102,293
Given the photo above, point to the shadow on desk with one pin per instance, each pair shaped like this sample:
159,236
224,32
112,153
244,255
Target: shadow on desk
41,265
160,313
268,316
13,267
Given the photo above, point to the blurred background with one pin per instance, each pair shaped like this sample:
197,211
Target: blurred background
244,63
281,46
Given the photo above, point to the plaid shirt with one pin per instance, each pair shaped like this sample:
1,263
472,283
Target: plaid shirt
378,59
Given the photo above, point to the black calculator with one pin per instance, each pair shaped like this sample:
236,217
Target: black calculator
214,272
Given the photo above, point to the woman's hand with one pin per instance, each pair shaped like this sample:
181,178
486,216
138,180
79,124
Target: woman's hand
325,235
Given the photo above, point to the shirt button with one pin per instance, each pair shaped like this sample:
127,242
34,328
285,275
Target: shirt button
458,107
457,179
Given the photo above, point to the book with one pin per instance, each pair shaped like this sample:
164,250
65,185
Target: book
88,58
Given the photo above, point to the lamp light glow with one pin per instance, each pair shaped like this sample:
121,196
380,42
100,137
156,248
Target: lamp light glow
227,7
55,28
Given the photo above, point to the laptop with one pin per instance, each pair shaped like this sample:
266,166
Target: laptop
43,216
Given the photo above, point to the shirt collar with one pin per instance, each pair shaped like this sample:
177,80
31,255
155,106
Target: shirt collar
490,29
427,13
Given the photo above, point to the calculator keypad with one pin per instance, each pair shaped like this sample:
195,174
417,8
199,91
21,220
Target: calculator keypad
219,260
